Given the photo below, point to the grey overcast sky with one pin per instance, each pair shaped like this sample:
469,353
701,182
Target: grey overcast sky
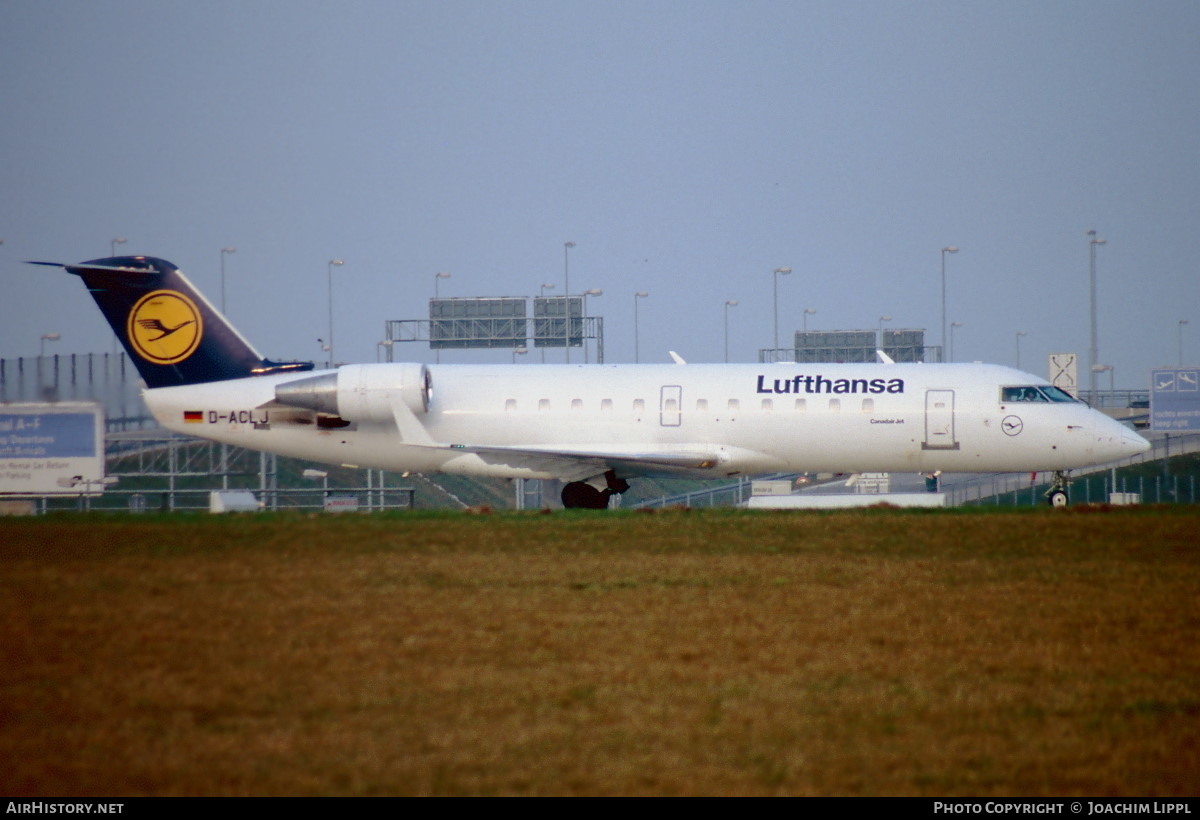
688,148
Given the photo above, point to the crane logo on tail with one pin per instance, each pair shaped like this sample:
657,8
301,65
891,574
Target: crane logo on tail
165,327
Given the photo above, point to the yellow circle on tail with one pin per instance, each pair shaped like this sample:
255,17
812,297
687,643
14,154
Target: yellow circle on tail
164,327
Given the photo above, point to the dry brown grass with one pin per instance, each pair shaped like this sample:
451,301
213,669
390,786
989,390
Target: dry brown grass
674,653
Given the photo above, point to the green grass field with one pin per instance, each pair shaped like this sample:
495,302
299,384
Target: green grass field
878,652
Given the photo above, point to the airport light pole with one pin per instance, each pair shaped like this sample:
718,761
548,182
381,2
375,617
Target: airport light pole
112,251
1182,322
882,319
542,342
728,304
583,330
437,278
775,281
567,299
641,294
1020,333
945,250
329,269
48,337
1093,352
952,326
808,312
321,474
224,251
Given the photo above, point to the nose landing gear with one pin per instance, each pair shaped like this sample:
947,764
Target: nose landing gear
1058,495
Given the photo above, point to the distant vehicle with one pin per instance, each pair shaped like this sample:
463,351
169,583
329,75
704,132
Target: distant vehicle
591,426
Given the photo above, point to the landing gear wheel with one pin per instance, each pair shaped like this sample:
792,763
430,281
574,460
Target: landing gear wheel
581,495
586,496
1057,495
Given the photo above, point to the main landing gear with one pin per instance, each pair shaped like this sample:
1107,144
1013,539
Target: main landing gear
1058,495
586,495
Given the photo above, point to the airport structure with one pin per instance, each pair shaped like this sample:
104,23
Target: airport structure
483,322
854,346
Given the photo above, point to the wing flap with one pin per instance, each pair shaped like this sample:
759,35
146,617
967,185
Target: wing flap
575,464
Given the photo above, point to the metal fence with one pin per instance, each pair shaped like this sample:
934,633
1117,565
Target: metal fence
365,499
106,378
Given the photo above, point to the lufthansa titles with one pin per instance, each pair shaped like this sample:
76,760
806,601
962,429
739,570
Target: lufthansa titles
821,384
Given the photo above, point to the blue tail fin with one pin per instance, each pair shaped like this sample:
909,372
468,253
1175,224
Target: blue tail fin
171,332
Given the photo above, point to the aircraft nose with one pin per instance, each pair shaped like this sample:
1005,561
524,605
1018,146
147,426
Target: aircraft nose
1117,441
1134,443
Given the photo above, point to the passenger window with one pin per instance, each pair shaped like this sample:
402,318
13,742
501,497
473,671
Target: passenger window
639,406
767,405
510,405
576,405
702,405
868,405
734,405
543,405
835,405
801,405
606,405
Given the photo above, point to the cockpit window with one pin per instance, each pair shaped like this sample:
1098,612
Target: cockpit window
1056,393
1031,393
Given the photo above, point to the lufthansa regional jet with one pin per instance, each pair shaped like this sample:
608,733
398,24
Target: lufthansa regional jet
592,426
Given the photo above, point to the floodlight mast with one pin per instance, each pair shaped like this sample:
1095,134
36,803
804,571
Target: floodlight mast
945,250
1093,347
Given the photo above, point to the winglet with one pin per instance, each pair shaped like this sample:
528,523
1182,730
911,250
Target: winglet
678,359
884,358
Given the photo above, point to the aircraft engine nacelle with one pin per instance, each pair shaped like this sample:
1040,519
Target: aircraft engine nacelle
361,392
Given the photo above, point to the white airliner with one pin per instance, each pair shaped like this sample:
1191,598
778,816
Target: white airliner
591,426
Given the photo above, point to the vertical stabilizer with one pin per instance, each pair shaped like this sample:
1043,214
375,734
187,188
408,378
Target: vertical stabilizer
171,332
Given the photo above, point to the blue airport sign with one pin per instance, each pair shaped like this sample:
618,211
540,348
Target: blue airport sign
1175,399
51,448
47,435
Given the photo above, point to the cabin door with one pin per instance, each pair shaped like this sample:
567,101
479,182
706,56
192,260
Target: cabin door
669,406
939,421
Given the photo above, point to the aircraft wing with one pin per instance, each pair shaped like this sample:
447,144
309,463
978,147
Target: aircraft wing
576,465
568,464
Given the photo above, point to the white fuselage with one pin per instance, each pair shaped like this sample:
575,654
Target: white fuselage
751,419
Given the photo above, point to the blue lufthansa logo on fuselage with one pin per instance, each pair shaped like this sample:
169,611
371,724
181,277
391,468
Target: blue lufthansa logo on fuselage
820,384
